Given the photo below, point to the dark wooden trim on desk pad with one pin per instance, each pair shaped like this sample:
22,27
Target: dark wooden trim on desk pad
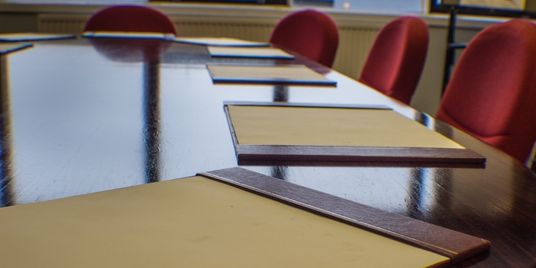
128,35
306,105
230,52
268,80
198,41
455,245
10,48
255,81
268,57
299,155
33,37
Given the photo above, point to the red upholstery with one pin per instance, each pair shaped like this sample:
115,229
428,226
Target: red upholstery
395,63
492,93
309,33
130,18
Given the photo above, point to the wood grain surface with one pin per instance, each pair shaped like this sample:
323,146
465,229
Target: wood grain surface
79,117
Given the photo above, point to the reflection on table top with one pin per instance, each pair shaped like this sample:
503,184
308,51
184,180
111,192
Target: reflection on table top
83,116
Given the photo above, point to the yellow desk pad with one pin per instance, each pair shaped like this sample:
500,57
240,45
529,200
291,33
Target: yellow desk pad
249,52
129,35
8,48
192,222
316,126
267,74
18,37
220,41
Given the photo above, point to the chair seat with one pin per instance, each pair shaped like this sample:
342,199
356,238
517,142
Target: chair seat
309,33
130,18
396,60
492,93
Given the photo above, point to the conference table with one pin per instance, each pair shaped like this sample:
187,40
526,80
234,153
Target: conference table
82,116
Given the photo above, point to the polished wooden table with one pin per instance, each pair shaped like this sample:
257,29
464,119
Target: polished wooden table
81,116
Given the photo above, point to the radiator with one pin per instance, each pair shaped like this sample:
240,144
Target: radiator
51,23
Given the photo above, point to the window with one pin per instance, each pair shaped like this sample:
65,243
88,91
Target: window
506,8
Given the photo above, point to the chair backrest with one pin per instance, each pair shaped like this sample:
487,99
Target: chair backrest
395,62
492,93
309,33
130,18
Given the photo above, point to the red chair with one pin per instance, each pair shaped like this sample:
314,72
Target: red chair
130,18
309,33
492,93
395,63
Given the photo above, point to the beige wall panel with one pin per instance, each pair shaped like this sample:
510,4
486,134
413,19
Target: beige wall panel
354,44
253,32
51,23
10,23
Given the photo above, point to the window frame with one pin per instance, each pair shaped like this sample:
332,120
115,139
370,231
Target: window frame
437,6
